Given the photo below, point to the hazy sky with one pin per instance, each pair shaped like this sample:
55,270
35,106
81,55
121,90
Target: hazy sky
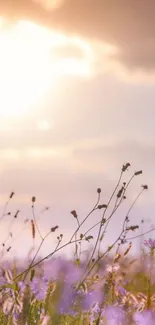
77,102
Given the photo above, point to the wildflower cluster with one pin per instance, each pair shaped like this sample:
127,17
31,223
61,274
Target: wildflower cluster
104,288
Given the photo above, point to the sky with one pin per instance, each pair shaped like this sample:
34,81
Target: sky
77,102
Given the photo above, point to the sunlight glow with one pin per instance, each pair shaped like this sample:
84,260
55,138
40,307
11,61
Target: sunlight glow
43,125
50,4
28,70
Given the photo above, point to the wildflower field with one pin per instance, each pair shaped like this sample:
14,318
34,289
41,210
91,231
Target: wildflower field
108,287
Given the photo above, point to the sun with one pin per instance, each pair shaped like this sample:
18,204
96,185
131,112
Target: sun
27,69
24,71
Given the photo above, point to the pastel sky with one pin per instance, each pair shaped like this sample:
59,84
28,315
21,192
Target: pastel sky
77,102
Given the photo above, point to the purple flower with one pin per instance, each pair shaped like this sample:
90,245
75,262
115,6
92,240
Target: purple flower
16,315
60,267
67,299
150,243
22,286
45,279
39,288
144,318
91,299
115,316
73,274
41,295
95,311
34,285
122,291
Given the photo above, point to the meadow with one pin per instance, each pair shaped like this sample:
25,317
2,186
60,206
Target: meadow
109,287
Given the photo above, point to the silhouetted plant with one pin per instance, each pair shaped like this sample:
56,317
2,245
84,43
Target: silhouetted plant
82,291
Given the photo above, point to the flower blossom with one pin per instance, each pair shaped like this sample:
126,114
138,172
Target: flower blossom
150,243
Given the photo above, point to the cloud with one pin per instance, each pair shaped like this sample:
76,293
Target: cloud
91,157
129,25
108,157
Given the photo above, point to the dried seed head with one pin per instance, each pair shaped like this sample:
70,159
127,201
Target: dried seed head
89,237
139,172
145,187
125,167
128,249
33,199
53,229
119,194
102,206
117,257
132,228
73,212
33,229
103,221
16,214
11,195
